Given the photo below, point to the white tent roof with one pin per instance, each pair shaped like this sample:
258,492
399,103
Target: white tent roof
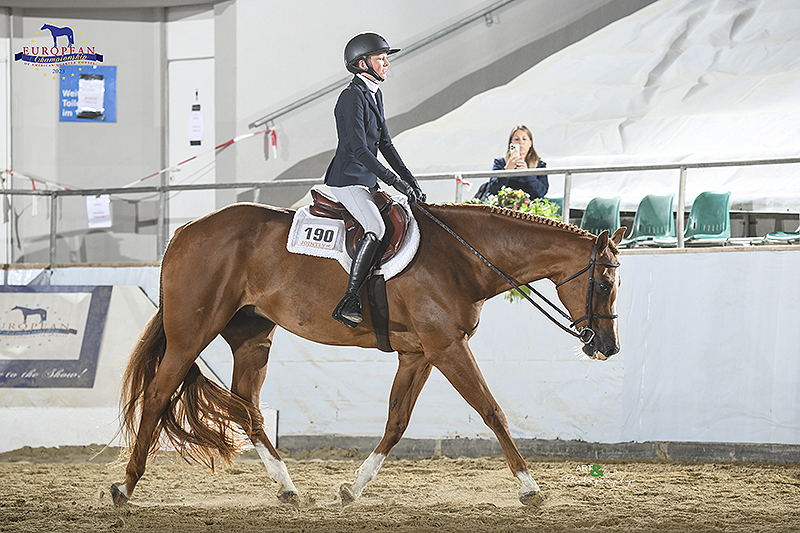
677,81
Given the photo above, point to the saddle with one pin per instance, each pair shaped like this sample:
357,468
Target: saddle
393,214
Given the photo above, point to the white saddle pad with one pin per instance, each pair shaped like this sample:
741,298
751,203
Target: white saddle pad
324,237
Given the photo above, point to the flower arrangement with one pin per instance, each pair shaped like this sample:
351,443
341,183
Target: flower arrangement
521,201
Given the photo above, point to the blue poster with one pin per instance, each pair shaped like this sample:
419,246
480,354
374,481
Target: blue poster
87,93
50,335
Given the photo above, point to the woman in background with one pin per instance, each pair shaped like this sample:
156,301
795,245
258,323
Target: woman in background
520,153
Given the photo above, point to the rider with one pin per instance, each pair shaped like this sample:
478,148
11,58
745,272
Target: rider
353,172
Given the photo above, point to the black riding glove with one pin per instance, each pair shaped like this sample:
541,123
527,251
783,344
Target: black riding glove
421,196
406,189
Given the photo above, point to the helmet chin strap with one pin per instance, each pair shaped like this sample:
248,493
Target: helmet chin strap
371,71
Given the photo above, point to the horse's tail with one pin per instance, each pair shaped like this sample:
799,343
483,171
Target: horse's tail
202,420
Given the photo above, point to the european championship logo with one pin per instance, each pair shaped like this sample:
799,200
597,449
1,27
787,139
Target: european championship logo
64,50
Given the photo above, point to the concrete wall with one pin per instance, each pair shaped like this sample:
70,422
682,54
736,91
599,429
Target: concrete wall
705,357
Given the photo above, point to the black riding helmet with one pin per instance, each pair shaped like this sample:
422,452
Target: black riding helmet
361,47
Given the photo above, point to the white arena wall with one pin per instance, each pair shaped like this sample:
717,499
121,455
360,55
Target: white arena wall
708,355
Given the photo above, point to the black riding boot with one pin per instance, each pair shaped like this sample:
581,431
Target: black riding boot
348,312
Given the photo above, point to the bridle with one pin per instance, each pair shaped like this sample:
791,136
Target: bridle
587,331
585,334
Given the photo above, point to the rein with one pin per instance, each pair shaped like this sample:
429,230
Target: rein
585,334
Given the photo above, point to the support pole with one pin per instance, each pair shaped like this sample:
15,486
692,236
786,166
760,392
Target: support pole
53,225
161,241
567,191
679,229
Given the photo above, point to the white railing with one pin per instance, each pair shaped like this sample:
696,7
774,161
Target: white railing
682,169
259,188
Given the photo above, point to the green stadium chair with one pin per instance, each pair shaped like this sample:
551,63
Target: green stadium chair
783,237
601,214
654,218
709,221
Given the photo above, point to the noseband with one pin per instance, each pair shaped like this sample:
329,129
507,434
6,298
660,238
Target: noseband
585,334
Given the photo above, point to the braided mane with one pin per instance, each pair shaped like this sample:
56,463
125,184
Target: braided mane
513,213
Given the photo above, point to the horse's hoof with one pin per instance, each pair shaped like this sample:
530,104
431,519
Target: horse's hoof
346,493
119,498
290,497
534,499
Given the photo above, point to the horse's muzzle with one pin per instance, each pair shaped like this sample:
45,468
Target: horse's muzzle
597,349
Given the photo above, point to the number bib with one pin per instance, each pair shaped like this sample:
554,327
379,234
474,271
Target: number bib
324,237
318,234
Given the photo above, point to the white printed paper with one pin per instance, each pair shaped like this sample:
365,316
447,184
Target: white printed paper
98,209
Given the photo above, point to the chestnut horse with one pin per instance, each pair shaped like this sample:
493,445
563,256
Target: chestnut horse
229,274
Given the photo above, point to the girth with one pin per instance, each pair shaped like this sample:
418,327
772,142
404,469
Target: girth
393,214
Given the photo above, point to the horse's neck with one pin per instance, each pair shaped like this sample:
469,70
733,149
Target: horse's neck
523,249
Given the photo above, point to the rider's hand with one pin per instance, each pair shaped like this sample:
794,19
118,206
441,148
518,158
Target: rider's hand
406,189
421,196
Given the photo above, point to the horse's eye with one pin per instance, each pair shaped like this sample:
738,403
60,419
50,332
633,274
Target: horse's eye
604,286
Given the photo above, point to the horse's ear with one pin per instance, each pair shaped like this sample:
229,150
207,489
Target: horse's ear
617,238
602,241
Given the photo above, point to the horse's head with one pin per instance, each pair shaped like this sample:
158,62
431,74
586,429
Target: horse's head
590,295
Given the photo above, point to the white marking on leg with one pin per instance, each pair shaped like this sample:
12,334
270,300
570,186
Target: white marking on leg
367,472
123,489
529,485
276,469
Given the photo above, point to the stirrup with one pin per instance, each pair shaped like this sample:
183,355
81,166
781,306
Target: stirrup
352,318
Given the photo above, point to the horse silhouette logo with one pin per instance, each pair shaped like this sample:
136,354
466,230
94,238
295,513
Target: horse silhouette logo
57,32
26,312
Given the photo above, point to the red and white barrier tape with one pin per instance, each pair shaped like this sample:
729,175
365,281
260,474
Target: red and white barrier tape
273,144
466,184
274,137
33,181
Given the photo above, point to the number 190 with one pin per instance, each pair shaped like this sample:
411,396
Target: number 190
319,234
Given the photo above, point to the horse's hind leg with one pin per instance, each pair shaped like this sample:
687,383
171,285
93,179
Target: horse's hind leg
412,374
171,372
250,338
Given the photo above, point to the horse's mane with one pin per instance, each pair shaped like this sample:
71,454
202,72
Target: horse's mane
538,219
513,213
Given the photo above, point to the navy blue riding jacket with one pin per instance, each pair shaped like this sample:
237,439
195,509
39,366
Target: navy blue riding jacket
362,131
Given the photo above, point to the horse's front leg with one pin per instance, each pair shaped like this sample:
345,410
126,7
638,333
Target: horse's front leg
458,365
412,373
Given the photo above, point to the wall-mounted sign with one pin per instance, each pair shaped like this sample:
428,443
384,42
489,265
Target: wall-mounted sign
88,94
196,125
50,335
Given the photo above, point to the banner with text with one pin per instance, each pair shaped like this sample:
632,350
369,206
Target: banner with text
50,335
87,94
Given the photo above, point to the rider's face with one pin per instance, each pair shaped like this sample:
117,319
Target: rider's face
380,64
